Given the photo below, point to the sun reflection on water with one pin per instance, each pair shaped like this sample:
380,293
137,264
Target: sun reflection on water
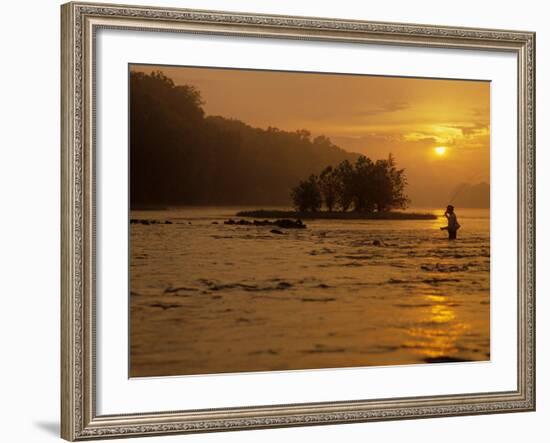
436,335
442,314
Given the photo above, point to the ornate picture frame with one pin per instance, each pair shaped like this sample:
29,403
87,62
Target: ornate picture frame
80,22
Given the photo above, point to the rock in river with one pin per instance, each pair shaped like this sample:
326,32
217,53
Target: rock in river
281,223
135,221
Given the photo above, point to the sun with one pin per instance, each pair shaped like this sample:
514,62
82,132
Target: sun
440,150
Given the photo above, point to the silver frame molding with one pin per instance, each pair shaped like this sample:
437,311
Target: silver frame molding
80,21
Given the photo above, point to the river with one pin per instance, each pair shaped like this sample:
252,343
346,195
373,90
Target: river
213,298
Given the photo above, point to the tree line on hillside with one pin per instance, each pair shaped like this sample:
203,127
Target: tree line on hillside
180,156
365,186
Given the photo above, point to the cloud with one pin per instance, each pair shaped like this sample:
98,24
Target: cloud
428,137
384,109
473,129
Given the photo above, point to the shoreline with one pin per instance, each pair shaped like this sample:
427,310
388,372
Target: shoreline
337,215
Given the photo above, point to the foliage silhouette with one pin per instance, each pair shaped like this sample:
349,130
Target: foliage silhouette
179,156
368,186
307,195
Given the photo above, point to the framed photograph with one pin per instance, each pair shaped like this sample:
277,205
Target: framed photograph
283,221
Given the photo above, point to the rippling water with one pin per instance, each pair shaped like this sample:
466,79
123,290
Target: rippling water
209,298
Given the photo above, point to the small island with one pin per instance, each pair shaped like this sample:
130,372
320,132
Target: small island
335,215
365,190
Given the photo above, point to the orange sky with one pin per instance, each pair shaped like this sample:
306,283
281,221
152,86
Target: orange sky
371,115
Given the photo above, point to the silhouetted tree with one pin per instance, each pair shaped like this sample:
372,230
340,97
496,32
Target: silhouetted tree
344,191
389,183
329,184
363,185
307,195
368,186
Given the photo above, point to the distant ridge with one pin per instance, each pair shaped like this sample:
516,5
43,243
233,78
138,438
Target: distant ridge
180,156
471,195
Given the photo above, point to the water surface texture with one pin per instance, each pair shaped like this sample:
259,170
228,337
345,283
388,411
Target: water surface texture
213,298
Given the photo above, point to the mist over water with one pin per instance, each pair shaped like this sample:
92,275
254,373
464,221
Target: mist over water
210,298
